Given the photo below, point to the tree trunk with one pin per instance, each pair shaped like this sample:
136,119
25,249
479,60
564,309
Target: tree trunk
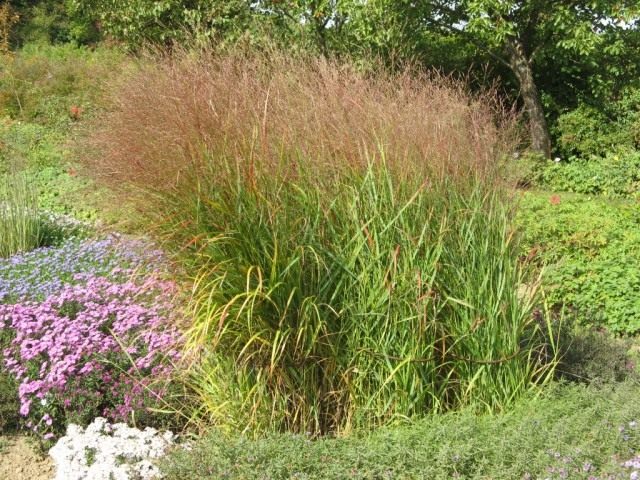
540,138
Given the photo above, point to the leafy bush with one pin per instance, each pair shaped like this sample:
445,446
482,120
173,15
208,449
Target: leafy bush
615,175
62,191
569,432
9,403
39,152
526,169
30,145
588,131
592,248
596,131
45,93
595,356
352,249
51,21
138,22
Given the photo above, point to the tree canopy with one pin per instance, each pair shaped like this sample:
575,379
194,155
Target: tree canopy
551,54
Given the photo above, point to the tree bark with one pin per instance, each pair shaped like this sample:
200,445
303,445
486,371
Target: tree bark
538,129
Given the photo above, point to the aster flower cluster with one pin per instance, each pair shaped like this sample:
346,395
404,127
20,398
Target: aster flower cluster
92,330
42,272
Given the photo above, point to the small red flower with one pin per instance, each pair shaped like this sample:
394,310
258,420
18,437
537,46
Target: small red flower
554,199
75,111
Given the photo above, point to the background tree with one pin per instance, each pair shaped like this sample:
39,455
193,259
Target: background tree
554,55
517,33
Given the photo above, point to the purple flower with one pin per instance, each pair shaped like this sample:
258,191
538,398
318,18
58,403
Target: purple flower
100,343
42,272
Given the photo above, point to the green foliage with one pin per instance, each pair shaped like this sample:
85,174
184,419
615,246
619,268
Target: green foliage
45,93
592,248
140,21
9,400
615,175
61,190
43,84
526,169
569,432
9,403
29,144
39,151
50,21
597,130
587,131
596,357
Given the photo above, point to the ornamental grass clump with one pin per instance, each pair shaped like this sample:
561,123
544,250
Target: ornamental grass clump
351,245
20,228
95,349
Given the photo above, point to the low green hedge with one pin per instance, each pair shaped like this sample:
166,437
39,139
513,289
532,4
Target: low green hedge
570,432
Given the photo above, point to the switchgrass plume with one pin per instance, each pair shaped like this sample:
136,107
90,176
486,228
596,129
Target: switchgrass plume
348,237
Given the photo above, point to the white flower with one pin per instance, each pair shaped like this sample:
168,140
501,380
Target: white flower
105,451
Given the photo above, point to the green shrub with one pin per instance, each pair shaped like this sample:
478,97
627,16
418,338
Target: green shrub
9,401
592,250
61,190
596,131
30,145
40,152
588,131
52,21
525,169
614,175
45,93
594,356
569,432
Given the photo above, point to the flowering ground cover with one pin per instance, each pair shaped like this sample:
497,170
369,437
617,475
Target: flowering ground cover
88,330
42,272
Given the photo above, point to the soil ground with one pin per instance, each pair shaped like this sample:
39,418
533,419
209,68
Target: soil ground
20,461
